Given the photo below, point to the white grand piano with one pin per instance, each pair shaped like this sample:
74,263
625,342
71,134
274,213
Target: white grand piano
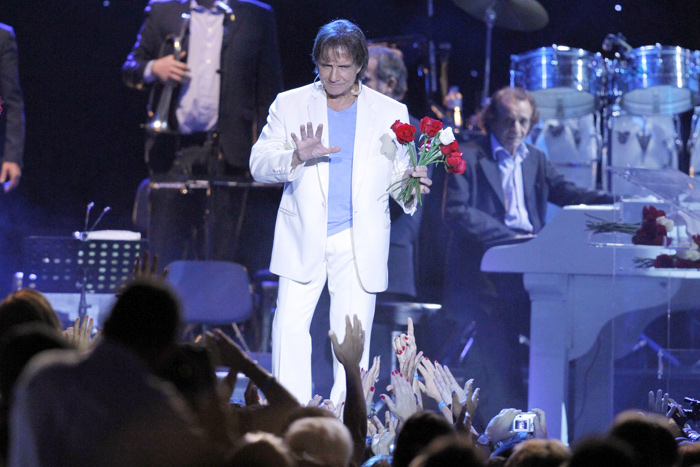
589,298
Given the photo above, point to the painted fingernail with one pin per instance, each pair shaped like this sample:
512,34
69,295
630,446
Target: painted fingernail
403,347
405,338
383,396
371,388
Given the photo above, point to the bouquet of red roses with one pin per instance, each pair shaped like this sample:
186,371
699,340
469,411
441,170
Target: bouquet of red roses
437,146
653,229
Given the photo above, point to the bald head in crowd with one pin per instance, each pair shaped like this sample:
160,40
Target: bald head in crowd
319,441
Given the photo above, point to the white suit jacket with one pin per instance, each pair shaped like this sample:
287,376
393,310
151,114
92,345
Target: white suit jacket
378,161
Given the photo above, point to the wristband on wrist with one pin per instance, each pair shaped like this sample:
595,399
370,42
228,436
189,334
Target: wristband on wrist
441,404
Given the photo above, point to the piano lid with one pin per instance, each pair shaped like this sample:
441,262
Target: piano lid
670,185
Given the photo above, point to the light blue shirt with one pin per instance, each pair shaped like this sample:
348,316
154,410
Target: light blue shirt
341,133
511,170
198,108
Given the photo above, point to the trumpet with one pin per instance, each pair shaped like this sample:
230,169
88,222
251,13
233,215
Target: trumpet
158,122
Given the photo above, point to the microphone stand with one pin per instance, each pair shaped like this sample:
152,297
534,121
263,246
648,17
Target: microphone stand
84,237
490,20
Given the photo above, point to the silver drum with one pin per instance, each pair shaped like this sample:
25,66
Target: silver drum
566,82
658,80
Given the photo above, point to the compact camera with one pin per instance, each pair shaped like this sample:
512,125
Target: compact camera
524,422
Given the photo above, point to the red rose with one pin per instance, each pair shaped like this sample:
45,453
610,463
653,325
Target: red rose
663,261
454,163
405,133
460,168
696,239
450,148
430,127
650,214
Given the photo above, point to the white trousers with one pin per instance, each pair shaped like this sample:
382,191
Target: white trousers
296,302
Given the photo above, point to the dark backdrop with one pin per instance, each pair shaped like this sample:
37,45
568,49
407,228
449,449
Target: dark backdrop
83,137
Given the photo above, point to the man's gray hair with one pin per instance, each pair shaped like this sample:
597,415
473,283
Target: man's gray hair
390,65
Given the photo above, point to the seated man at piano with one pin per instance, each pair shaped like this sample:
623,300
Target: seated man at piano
501,198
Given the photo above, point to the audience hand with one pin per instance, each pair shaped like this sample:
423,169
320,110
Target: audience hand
349,353
335,409
404,404
427,370
468,398
229,353
404,346
442,385
145,269
80,335
315,401
383,435
369,379
499,427
662,403
463,422
540,424
250,395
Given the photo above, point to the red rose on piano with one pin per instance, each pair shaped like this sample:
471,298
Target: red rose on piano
664,261
654,229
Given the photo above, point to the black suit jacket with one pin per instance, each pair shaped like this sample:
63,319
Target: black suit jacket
12,132
251,74
475,206
475,211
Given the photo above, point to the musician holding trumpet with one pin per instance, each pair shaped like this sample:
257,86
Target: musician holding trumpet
213,68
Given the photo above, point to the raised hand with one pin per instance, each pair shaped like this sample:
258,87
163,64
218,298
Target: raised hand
427,370
229,353
349,353
404,404
442,384
315,401
405,347
146,267
383,435
470,400
80,335
310,145
369,379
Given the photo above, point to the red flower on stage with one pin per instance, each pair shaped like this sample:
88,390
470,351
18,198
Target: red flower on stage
437,146
654,228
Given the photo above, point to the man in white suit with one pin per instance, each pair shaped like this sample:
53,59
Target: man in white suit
333,222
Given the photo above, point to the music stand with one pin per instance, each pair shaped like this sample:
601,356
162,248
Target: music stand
70,265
